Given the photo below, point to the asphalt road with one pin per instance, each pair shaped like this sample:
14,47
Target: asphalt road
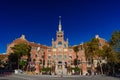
49,77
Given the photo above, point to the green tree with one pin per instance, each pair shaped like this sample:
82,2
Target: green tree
20,50
76,50
115,41
13,60
92,51
109,53
91,48
111,57
115,45
23,63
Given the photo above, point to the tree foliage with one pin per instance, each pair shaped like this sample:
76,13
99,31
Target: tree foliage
92,48
76,49
13,61
115,41
19,50
109,53
92,51
23,63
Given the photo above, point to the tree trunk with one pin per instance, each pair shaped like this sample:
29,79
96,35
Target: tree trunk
101,69
113,69
18,63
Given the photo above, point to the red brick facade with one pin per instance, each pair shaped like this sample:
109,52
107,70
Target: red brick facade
58,55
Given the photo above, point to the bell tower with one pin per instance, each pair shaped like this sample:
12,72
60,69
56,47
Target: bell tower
60,50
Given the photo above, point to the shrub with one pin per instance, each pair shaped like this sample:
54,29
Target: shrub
46,70
76,69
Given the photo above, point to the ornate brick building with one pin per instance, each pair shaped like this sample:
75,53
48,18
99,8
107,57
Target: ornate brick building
59,56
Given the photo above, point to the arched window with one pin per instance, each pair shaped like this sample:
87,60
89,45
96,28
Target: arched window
65,46
59,57
54,45
59,43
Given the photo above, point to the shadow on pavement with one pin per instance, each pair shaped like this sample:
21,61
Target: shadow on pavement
4,73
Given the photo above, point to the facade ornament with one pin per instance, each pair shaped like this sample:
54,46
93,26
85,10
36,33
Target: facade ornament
23,37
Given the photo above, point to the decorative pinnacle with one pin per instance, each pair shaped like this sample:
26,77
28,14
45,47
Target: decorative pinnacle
60,19
96,36
60,26
22,37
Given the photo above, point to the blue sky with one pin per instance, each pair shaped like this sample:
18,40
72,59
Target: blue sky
38,20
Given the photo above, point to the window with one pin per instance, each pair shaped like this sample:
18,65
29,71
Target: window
40,61
59,57
49,57
54,45
70,50
72,62
49,50
59,62
65,46
65,56
34,48
100,44
54,56
70,57
36,55
48,62
59,35
78,62
90,61
59,43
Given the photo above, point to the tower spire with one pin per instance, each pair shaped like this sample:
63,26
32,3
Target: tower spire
60,26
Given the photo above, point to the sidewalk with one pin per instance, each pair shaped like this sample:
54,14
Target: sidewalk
40,75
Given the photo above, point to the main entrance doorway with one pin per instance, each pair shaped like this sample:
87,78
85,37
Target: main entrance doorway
60,68
60,65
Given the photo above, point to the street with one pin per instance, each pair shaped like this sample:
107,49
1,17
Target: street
55,77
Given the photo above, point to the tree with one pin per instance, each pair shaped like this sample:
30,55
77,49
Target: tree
20,50
87,50
23,63
111,57
109,53
92,48
13,60
115,41
92,51
115,45
76,49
